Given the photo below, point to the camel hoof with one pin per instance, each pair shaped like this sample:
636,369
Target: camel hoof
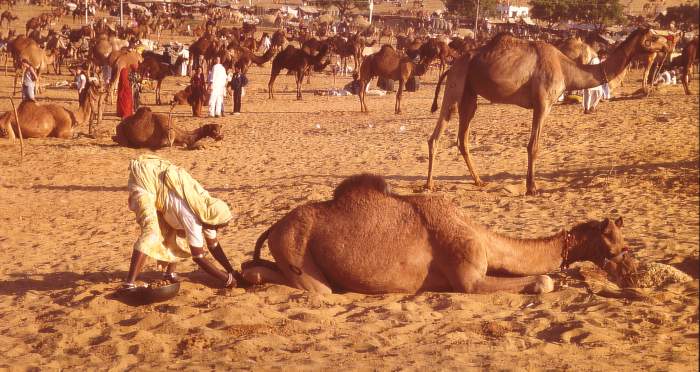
544,284
480,183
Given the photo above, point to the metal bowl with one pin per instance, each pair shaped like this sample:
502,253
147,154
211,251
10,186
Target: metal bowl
146,295
164,293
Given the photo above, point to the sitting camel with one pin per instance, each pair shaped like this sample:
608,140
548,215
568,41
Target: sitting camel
51,120
146,129
369,240
389,64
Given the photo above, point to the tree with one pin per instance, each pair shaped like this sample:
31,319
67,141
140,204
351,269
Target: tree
684,16
467,8
345,6
550,11
600,13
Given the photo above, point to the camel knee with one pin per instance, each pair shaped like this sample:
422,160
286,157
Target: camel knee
543,284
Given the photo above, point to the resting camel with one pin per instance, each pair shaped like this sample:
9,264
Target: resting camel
146,129
529,74
370,240
9,17
389,64
50,120
298,61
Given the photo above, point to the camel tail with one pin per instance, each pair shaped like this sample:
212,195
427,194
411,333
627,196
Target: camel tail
434,107
259,243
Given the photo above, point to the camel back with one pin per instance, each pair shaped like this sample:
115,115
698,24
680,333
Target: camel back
364,181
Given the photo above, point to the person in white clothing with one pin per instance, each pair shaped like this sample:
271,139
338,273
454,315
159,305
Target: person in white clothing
217,88
592,96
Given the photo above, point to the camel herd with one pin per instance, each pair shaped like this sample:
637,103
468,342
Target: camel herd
427,244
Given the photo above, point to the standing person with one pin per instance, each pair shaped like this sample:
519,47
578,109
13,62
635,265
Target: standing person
198,88
238,82
125,99
592,96
217,88
80,80
177,216
266,43
29,78
135,80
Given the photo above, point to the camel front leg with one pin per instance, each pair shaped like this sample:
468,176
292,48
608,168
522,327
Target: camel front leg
300,79
158,92
399,93
540,114
361,95
270,85
467,109
537,284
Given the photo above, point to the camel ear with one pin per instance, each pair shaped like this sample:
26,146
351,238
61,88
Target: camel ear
605,225
618,221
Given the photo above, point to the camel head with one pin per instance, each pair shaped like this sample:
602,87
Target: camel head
622,269
648,41
595,241
213,131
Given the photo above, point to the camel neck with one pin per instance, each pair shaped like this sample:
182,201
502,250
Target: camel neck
589,76
525,256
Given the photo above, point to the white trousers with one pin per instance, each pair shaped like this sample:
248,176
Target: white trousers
216,102
591,97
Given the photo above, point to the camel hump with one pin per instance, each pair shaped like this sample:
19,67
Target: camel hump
364,181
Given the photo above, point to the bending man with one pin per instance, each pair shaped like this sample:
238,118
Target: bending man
176,216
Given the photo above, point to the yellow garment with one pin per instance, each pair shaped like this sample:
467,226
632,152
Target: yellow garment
157,177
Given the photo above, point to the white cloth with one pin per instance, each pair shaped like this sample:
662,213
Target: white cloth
216,103
592,96
217,78
80,81
178,215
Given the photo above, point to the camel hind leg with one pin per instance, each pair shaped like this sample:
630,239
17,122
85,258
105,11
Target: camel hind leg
448,105
467,109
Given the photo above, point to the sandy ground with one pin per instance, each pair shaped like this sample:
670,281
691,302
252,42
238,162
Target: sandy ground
67,236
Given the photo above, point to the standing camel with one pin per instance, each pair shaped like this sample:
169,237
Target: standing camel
298,61
370,240
37,58
389,64
531,75
154,67
685,62
49,120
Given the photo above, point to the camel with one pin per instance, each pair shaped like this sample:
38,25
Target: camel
37,57
389,64
146,129
9,17
154,67
298,61
577,50
50,120
654,61
117,60
370,240
386,32
509,70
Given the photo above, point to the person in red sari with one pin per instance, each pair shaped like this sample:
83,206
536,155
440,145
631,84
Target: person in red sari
125,99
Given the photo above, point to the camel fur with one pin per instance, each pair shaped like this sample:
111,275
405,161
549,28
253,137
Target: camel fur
529,74
370,240
146,129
